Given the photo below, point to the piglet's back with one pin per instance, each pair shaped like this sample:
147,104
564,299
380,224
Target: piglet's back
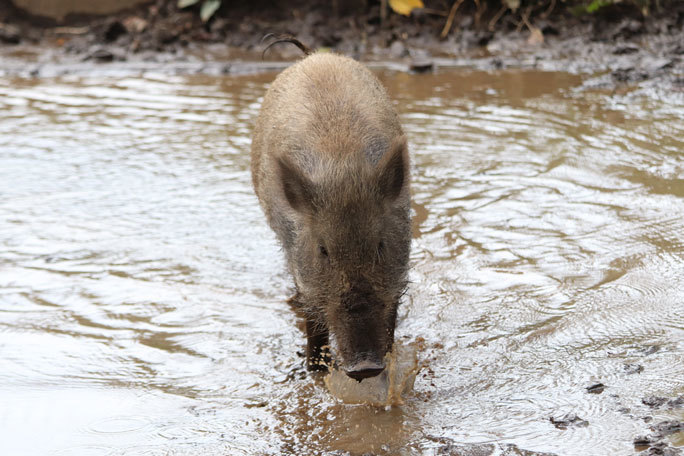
325,108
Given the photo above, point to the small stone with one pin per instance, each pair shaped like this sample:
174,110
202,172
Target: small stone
665,428
676,403
654,401
632,368
497,63
258,404
651,350
663,449
135,24
567,421
628,28
596,388
655,64
642,442
100,55
421,65
623,50
398,50
9,34
536,37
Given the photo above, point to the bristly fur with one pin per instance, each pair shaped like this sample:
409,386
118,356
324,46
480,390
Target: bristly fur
330,167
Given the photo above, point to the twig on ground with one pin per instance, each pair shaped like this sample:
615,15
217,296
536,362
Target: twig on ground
435,12
524,19
546,13
383,13
481,8
536,35
496,17
71,30
450,19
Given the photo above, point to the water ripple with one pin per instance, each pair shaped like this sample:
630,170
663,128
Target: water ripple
137,273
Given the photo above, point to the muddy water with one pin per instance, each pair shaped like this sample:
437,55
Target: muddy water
142,295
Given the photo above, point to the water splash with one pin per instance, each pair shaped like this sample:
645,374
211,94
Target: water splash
387,389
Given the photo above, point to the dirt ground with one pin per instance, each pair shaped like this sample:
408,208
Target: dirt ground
621,43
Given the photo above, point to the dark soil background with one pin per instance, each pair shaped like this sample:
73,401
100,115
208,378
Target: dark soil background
619,39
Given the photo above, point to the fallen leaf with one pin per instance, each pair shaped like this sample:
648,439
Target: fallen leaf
209,7
405,6
536,36
134,24
186,3
512,4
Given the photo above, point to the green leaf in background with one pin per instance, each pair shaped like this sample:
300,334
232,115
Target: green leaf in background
597,4
186,3
209,7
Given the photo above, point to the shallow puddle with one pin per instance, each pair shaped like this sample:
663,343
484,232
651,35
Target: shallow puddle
143,310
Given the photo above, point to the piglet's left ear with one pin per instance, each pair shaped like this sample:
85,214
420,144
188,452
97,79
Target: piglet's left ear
297,188
392,172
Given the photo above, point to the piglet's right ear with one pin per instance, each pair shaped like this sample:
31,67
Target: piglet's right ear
297,188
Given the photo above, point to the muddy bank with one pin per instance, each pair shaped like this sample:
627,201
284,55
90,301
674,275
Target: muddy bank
627,47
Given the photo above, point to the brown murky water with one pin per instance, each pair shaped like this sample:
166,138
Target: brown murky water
142,295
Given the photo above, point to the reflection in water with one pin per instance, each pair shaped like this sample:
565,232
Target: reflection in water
142,310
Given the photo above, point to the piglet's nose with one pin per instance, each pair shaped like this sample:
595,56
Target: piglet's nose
364,369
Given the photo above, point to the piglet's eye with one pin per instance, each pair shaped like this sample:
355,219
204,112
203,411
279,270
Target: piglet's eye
381,246
323,251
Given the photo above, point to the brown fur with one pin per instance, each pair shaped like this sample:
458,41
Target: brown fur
330,167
